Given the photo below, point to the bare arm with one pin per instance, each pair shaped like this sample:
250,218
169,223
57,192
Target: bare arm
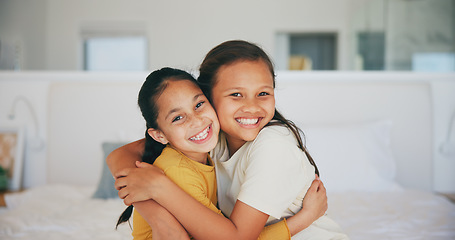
314,206
164,225
245,223
125,157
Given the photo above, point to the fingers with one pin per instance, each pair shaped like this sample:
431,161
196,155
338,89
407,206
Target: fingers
122,193
315,185
149,166
142,164
122,173
318,185
321,187
120,183
127,201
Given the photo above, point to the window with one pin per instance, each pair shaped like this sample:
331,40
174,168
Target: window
114,47
115,54
306,51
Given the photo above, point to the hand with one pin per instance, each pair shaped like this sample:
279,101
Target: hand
315,200
314,206
138,184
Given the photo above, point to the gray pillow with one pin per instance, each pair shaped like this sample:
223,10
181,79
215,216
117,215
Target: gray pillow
106,188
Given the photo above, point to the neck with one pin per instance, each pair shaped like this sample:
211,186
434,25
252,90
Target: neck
195,156
234,144
200,159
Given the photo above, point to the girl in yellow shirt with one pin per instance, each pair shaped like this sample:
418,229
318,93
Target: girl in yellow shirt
182,127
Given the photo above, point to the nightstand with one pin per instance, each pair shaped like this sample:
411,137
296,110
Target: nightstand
2,196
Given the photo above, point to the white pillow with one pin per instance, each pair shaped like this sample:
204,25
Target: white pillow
354,157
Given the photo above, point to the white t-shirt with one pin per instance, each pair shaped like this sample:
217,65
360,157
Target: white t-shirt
270,174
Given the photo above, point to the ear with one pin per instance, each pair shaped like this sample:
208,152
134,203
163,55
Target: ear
157,135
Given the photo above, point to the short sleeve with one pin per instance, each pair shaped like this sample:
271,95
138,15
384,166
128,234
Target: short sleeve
141,229
274,174
192,184
276,231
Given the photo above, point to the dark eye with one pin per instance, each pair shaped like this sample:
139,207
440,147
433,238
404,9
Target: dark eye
236,94
177,118
264,94
198,105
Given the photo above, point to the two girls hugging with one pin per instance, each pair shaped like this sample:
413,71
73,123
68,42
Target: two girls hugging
226,163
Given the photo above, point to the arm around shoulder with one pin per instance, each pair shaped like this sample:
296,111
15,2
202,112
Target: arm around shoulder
125,156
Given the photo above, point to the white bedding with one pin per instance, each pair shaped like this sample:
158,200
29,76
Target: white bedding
61,212
405,214
69,212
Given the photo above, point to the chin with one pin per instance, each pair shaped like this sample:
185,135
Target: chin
249,138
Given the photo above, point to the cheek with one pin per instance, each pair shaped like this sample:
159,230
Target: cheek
219,106
271,106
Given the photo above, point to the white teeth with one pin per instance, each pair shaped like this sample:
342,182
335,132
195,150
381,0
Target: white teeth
247,121
202,135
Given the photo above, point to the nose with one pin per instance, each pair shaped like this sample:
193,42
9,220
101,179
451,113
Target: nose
251,105
196,120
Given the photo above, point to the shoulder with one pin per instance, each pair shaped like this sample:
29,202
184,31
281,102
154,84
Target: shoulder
169,158
276,134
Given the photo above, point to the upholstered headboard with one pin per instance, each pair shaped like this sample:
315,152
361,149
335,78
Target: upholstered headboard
85,113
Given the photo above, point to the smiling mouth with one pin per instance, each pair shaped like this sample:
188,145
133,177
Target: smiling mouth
202,135
247,121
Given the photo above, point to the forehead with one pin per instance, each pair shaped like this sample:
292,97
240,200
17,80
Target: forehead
178,92
245,72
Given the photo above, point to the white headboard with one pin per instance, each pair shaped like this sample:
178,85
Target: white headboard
354,98
85,112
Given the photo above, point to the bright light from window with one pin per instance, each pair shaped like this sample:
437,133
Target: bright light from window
115,54
433,62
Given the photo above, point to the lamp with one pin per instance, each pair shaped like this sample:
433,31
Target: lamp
446,147
38,142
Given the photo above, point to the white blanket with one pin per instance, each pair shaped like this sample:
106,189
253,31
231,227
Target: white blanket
61,212
400,215
68,212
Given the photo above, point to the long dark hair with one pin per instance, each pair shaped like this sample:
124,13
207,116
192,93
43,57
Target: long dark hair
230,52
152,88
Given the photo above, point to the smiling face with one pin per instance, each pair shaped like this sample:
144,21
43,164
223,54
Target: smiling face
243,97
186,120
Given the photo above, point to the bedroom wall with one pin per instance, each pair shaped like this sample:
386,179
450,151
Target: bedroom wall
22,26
35,90
443,93
47,32
188,31
65,139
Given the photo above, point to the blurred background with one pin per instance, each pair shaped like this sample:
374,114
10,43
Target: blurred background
138,35
50,45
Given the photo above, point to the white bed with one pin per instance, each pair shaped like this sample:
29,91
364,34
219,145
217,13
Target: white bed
374,149
68,212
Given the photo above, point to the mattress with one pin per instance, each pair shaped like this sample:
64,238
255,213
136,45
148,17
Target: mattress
70,212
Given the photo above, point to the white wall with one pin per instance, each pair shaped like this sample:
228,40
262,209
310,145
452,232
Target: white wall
443,93
36,92
180,32
92,119
22,23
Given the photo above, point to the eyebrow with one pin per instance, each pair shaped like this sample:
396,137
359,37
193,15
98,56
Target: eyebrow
241,88
178,108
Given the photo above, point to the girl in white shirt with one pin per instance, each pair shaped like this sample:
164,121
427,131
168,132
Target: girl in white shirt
263,168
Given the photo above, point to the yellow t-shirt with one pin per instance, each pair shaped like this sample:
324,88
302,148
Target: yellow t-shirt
199,181
196,179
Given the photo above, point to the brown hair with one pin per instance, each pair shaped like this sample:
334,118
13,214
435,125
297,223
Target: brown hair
238,50
154,85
